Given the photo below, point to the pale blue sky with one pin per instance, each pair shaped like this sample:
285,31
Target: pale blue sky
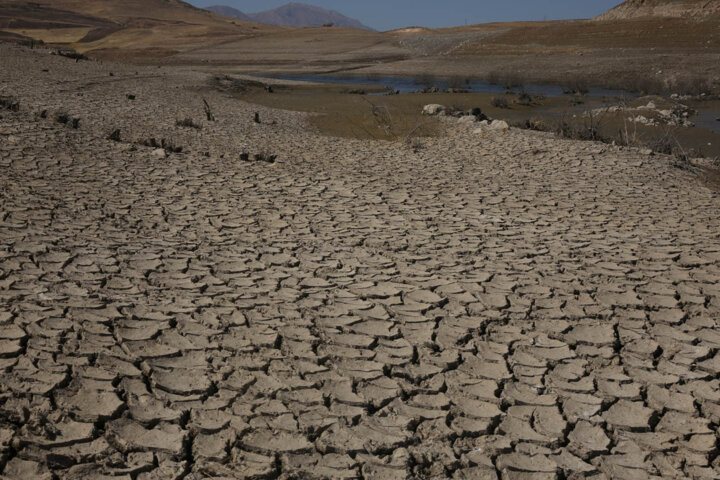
390,14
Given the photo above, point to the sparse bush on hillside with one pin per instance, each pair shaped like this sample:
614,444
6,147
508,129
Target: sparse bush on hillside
691,86
576,87
641,85
500,102
524,99
653,85
32,43
458,83
425,80
649,84
509,81
594,127
567,127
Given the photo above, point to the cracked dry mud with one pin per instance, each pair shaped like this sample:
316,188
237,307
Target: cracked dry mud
500,305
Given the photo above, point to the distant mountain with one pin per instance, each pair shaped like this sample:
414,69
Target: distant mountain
229,12
663,8
293,15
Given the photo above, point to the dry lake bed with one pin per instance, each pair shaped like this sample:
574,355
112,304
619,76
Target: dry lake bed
484,304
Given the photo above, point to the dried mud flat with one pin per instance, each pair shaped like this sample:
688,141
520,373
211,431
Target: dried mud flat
498,305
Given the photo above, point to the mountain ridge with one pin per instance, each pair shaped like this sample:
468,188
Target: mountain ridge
293,14
229,11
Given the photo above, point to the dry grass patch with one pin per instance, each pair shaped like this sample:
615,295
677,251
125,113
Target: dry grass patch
392,118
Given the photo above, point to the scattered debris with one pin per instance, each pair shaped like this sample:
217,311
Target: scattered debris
71,54
478,114
9,103
266,157
415,144
677,115
531,124
494,125
189,123
208,111
228,83
164,144
130,96
115,135
66,119
474,114
256,118
62,117
159,152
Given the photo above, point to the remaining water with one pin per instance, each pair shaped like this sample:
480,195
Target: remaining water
410,84
706,119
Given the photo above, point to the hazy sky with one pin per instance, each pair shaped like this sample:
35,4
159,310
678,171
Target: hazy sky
390,14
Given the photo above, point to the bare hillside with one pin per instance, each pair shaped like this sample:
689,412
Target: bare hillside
156,27
663,8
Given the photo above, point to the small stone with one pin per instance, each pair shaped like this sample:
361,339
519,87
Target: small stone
433,109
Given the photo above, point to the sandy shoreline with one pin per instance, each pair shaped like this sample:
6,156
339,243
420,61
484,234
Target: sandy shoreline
493,305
